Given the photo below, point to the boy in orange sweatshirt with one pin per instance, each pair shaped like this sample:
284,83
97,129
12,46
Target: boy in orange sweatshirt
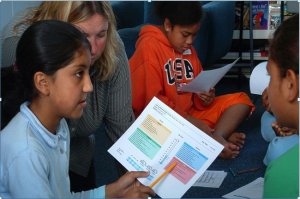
165,58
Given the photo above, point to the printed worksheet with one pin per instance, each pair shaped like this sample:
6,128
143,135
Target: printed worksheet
211,179
206,79
158,138
252,190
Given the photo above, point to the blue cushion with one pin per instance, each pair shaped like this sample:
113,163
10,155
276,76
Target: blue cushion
150,15
220,16
201,43
128,13
129,37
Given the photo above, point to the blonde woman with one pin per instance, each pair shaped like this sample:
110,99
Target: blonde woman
110,102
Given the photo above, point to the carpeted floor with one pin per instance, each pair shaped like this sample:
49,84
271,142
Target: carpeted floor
251,155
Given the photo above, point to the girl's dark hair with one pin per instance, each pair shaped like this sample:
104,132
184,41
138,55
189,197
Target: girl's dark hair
284,47
46,46
179,12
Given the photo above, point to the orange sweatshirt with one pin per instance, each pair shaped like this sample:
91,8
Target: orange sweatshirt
156,68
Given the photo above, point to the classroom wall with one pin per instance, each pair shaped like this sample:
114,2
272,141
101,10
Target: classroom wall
8,9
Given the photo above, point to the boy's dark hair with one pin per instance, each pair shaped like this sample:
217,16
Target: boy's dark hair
179,12
284,48
46,46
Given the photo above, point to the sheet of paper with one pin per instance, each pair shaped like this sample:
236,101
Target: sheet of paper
206,79
212,179
259,79
251,190
157,138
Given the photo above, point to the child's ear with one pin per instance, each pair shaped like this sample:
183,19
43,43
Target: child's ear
292,81
167,25
41,82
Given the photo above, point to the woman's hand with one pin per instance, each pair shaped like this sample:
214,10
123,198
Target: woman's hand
207,97
128,186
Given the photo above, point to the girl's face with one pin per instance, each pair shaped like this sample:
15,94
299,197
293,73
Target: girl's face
69,86
182,37
95,28
276,94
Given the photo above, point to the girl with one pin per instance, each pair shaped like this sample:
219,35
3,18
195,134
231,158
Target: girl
165,58
282,174
109,104
52,72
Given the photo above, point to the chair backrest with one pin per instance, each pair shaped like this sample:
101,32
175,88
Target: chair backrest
221,19
129,37
213,39
128,13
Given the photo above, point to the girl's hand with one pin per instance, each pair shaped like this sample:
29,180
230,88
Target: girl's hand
129,187
207,97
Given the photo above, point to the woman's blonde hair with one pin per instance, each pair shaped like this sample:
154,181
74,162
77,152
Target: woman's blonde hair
79,11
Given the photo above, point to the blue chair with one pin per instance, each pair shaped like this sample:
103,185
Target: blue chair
213,39
128,13
129,37
221,18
